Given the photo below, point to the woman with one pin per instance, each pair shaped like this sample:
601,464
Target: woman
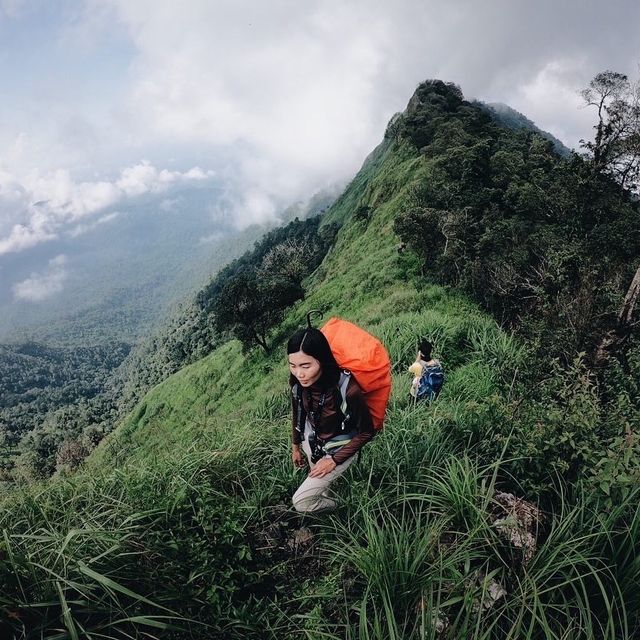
329,432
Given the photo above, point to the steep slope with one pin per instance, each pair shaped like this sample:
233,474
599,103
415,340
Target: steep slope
180,524
57,402
360,279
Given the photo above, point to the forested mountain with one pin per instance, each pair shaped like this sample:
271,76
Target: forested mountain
513,119
57,403
546,245
507,508
117,277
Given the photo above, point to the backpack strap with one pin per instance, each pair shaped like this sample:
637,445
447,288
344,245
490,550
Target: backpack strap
345,376
297,392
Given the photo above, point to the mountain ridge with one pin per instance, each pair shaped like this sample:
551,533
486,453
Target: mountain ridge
189,499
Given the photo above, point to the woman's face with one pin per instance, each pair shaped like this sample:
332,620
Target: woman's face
306,369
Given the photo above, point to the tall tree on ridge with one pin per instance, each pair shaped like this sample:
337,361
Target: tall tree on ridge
616,151
616,147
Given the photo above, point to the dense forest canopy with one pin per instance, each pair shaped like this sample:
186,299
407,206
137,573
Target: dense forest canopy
546,244
45,389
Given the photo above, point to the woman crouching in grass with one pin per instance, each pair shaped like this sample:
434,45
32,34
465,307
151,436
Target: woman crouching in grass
330,422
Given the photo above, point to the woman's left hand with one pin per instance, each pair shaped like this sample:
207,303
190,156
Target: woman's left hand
324,466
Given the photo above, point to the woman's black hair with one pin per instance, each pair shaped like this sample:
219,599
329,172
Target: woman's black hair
314,343
425,348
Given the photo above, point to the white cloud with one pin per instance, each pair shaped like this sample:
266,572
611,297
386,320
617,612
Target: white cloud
284,97
303,91
293,96
41,286
549,92
145,178
24,237
66,199
39,207
85,228
196,173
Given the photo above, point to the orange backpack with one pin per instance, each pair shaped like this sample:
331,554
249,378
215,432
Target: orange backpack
364,356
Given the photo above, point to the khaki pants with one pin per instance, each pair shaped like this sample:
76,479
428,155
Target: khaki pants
313,493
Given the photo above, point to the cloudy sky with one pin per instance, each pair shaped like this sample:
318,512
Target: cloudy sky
104,100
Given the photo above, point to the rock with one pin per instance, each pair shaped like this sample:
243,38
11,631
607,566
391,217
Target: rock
301,540
517,521
492,590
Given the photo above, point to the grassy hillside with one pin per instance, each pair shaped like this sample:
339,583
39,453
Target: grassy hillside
180,526
360,280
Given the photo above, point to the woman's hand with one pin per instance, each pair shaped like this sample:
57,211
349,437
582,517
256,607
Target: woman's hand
324,466
298,457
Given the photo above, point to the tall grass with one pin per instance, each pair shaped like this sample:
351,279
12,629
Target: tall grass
430,565
75,574
192,540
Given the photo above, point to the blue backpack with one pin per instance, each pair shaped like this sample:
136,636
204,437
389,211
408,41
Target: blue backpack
430,382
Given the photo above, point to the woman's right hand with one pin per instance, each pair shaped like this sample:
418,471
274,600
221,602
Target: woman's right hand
298,457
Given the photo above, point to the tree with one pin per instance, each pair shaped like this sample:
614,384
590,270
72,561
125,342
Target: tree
240,311
616,151
287,261
616,147
249,296
249,306
420,229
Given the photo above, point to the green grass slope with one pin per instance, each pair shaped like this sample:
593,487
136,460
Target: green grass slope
362,280
180,526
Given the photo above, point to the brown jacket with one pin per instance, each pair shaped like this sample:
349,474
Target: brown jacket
330,421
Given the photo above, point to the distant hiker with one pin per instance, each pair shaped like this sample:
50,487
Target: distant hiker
327,429
428,374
